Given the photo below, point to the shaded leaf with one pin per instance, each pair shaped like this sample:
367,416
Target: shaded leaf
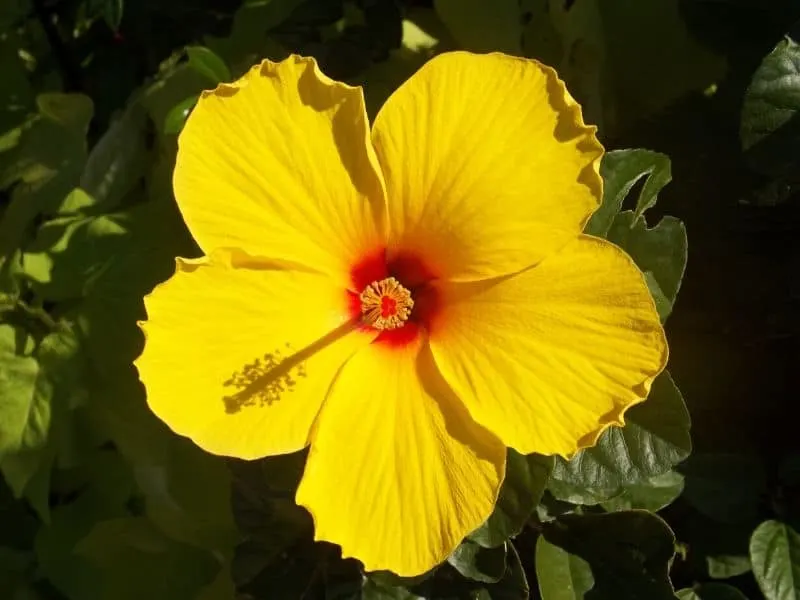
711,591
629,552
660,252
525,482
176,117
207,63
561,575
134,560
775,555
770,126
481,26
724,566
655,439
119,159
653,494
725,487
478,563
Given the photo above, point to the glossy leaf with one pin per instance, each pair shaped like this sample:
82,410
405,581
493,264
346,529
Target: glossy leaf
655,439
652,494
621,169
770,126
775,555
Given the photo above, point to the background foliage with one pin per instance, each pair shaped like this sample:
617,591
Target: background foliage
99,500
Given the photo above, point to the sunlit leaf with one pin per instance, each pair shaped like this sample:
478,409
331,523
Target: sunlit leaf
621,169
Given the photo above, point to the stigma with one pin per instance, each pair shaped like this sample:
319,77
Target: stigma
386,304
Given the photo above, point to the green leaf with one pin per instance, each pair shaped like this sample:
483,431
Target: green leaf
112,13
73,111
724,566
119,159
725,487
208,64
652,494
186,491
77,201
38,390
135,560
482,26
373,590
629,552
561,575
621,169
525,482
775,555
25,418
711,591
478,563
44,166
655,438
770,125
660,252
176,118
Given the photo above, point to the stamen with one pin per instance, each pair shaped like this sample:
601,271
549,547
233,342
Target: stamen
386,304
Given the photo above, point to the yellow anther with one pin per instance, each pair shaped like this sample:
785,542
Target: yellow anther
386,304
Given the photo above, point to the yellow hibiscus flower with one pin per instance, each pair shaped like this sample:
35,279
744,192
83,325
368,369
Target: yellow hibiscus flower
407,300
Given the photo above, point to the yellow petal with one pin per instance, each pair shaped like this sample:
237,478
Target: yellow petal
239,356
398,472
280,165
488,165
548,358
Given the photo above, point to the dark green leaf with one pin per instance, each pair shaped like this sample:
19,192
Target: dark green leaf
725,487
652,494
478,563
711,591
525,482
119,159
176,118
724,566
73,111
629,552
44,165
660,252
135,560
373,590
620,170
561,575
655,438
112,13
208,64
481,26
187,492
775,555
770,127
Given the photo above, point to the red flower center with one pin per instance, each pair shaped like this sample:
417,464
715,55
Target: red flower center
394,295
